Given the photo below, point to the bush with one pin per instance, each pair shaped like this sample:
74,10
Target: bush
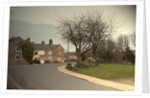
131,58
36,61
27,49
56,61
69,66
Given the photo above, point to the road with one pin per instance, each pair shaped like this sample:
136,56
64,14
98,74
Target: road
47,77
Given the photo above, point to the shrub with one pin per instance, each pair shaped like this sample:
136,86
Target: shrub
131,58
27,49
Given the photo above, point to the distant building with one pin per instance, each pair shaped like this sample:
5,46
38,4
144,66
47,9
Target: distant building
15,56
50,53
71,56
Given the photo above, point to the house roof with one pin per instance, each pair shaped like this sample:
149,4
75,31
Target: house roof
15,38
44,47
36,46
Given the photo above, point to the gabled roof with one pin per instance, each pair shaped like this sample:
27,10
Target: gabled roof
44,47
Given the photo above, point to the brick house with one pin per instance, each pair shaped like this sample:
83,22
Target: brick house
15,56
71,56
50,53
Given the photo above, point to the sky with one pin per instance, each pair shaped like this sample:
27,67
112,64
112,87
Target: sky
39,23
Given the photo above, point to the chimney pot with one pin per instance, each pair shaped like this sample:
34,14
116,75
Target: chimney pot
28,39
50,42
43,42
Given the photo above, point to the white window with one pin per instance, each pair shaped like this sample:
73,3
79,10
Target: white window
18,49
49,52
50,58
18,57
58,59
41,52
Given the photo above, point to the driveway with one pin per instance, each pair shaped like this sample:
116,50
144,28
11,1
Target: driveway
46,76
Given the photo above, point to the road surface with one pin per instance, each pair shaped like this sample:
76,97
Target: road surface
47,77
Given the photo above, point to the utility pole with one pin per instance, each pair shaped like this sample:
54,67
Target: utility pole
68,50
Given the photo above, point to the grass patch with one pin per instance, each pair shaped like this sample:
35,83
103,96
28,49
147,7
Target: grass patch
108,71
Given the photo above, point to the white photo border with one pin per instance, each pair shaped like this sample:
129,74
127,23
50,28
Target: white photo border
139,46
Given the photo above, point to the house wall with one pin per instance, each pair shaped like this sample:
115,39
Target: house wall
51,56
74,57
71,57
41,52
12,54
58,54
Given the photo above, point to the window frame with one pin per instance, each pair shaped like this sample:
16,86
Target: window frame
18,55
17,49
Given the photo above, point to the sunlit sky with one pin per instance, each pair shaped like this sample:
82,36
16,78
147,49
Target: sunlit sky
39,23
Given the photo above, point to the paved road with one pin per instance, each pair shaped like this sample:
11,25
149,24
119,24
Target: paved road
47,76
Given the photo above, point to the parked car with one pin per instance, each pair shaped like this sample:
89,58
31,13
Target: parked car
36,61
39,60
42,61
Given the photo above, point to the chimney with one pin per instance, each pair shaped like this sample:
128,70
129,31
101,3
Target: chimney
28,39
50,42
42,42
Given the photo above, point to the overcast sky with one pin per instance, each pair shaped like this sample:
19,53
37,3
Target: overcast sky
39,23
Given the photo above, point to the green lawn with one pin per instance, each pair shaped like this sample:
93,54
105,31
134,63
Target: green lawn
109,71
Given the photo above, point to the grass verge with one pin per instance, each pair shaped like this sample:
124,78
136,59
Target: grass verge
108,71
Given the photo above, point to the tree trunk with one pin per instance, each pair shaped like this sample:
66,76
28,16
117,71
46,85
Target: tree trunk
79,60
96,61
95,58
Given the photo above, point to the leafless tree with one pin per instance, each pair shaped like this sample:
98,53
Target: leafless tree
133,38
123,42
73,30
120,43
126,42
86,32
97,30
111,45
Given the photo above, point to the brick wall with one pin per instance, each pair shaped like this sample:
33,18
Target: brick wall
58,54
12,54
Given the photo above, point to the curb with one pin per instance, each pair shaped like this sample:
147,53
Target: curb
120,86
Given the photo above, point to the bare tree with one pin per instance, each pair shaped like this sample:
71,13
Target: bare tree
111,45
123,42
86,32
120,43
73,30
133,38
97,30
126,42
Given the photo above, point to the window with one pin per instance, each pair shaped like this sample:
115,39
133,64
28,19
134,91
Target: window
41,52
18,57
50,58
49,52
42,58
18,49
58,59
